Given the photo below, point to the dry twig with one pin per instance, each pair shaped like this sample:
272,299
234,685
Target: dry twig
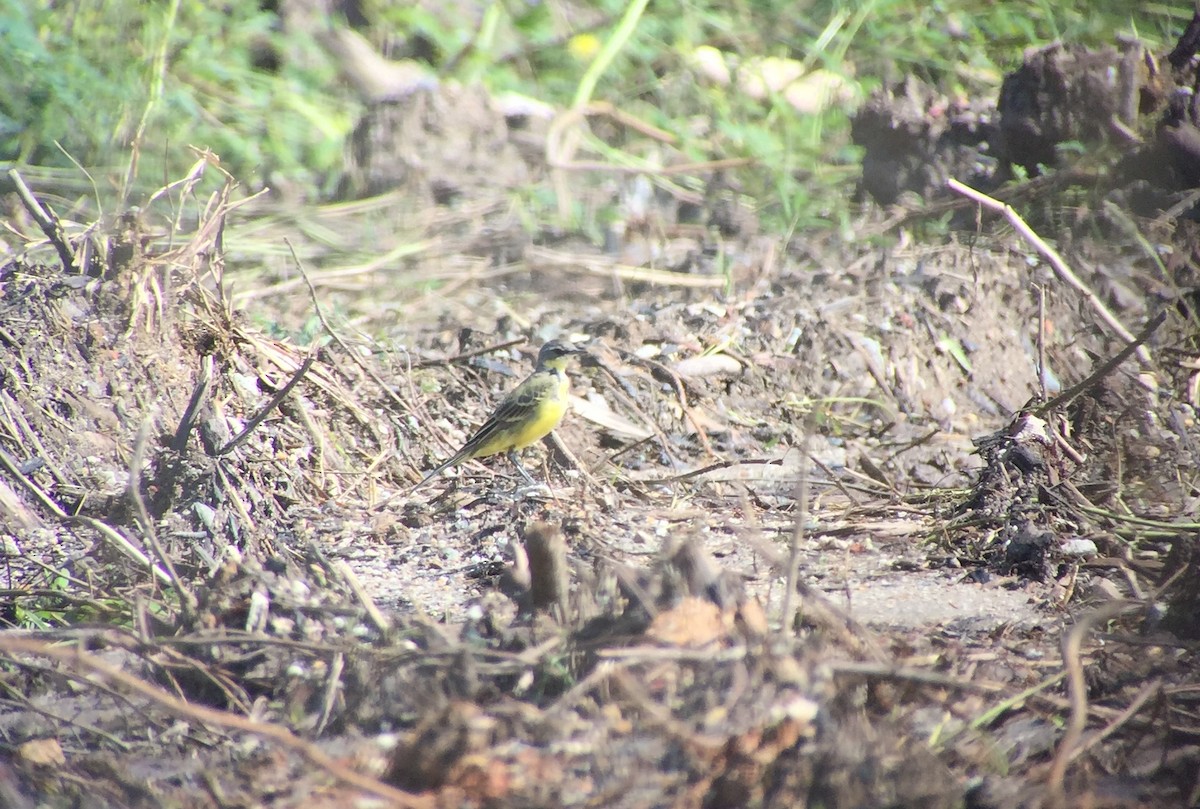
681,396
333,335
628,395
1060,266
1075,391
714,467
792,571
1152,688
467,355
111,535
76,659
269,407
608,268
191,413
48,222
1077,690
187,600
364,598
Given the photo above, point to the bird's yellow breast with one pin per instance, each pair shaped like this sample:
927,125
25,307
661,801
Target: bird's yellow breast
533,410
549,413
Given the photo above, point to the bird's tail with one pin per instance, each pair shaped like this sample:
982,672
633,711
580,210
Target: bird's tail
453,460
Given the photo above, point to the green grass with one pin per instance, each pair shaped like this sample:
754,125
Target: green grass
95,81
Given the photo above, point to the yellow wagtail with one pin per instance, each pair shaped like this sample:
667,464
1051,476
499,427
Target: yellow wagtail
528,414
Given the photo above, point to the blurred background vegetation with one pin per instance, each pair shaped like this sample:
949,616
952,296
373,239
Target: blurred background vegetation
90,83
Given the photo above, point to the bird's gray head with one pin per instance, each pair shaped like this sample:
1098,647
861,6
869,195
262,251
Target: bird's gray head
555,354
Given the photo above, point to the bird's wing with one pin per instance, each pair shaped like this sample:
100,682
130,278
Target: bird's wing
509,413
502,428
516,409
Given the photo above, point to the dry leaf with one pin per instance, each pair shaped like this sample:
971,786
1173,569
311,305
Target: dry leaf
42,752
694,622
709,366
596,409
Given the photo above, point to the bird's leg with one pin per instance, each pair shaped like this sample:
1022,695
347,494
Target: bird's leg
512,456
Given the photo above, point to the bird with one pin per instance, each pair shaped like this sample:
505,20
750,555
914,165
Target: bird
529,413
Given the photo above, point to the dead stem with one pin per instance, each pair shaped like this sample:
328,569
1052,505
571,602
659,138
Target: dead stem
48,222
1075,391
187,599
270,406
1060,266
1077,690
76,658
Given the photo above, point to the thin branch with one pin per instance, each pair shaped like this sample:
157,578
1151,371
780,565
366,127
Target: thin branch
122,544
713,467
1075,391
199,396
681,396
333,335
187,600
1077,691
49,224
1151,689
270,406
1041,341
364,598
792,573
76,659
1060,266
106,532
467,355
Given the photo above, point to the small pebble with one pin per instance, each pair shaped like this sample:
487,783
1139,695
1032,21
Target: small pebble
1078,548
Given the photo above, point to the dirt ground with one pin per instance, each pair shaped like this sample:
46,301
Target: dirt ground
809,536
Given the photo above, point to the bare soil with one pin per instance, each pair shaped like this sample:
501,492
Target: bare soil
976,617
